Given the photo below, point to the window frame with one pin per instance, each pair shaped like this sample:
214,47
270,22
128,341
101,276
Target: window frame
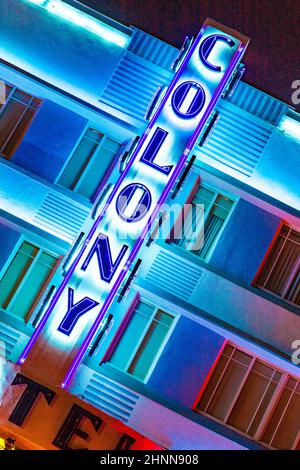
264,262
104,138
271,407
156,309
14,252
217,192
4,106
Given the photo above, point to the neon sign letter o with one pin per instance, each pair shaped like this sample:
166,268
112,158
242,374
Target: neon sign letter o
125,197
181,94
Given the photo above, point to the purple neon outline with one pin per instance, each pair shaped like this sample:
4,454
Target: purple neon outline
82,350
139,241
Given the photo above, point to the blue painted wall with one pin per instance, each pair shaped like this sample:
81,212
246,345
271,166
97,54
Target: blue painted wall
8,240
49,140
56,50
244,241
185,362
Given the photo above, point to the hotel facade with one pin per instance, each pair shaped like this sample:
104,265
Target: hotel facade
200,347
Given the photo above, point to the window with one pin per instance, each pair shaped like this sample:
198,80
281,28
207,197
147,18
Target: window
16,114
255,398
89,163
281,272
25,279
142,341
3,89
216,210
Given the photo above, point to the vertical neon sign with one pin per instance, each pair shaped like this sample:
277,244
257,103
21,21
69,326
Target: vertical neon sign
93,280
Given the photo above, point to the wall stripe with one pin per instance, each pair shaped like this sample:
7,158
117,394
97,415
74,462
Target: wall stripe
152,49
174,274
133,85
110,396
8,340
236,141
62,216
258,103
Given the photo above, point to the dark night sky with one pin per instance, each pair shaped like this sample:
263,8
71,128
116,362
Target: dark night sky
272,59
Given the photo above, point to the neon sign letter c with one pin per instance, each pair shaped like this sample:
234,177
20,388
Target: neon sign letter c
207,46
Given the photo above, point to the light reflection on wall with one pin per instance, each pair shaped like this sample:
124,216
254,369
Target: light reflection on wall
68,13
290,126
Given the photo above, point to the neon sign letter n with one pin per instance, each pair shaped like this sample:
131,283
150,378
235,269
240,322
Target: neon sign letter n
101,248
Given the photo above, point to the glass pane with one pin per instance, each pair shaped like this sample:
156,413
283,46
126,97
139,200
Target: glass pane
204,196
276,416
228,350
226,390
164,318
78,163
281,273
264,370
129,340
23,97
8,120
94,135
213,382
18,133
295,236
145,310
222,207
35,282
98,168
213,224
200,245
149,348
285,231
290,425
224,202
260,413
293,294
188,232
253,399
47,260
212,228
4,93
29,249
35,103
242,357
268,266
291,384
16,272
283,268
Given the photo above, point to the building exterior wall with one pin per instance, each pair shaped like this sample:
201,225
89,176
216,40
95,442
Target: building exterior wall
250,157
